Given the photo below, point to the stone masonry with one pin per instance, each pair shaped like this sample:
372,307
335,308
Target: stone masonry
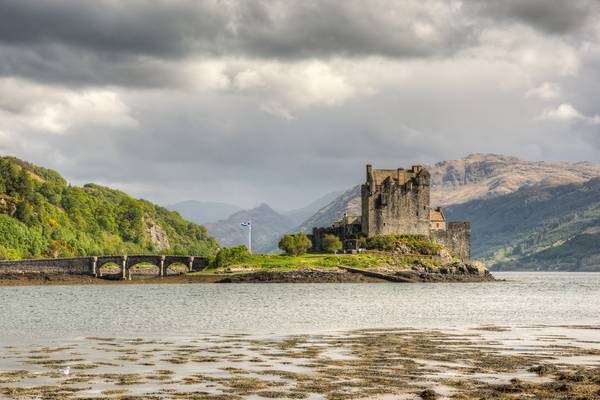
395,201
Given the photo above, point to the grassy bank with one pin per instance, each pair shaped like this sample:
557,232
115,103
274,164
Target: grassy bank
284,263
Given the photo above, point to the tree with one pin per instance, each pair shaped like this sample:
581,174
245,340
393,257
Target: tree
231,255
24,185
331,243
295,244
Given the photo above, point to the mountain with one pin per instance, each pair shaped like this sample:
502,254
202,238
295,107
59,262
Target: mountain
267,227
202,212
301,214
42,216
477,176
347,203
541,227
490,175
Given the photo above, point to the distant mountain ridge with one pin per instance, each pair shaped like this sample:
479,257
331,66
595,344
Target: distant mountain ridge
299,215
476,176
541,227
267,227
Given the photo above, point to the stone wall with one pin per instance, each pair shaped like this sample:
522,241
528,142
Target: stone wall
51,266
344,232
396,202
457,238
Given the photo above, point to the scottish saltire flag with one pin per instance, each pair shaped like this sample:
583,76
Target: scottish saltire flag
247,223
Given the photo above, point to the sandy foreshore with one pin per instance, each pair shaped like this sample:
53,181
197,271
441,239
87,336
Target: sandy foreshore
549,362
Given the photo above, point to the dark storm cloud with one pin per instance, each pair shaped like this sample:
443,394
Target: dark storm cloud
270,28
57,64
550,16
134,26
284,100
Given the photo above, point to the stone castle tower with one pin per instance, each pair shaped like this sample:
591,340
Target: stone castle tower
396,201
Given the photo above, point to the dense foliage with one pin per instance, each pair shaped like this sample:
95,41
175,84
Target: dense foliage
42,216
231,255
415,244
295,244
331,243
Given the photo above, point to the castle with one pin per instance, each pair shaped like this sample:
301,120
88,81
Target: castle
396,202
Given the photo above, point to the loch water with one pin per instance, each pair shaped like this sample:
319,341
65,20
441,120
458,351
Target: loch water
34,313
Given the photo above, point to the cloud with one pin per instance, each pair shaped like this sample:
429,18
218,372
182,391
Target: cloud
267,28
566,112
549,16
282,101
32,107
546,91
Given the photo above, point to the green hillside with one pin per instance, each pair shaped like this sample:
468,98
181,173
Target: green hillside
542,227
42,216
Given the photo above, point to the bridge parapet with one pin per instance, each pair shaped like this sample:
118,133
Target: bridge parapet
92,265
49,266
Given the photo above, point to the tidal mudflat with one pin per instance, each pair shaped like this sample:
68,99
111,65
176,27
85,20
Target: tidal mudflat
484,362
527,336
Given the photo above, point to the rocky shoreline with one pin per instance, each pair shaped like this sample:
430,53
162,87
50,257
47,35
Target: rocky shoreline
345,275
458,273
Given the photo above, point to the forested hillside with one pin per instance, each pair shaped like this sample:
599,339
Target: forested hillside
542,227
42,216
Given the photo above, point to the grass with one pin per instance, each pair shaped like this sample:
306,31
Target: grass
282,263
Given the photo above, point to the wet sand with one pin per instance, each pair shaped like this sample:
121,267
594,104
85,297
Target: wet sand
485,362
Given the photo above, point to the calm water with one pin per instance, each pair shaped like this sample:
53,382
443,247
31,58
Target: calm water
61,312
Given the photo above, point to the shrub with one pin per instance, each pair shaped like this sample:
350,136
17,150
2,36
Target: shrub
295,244
331,243
8,254
417,244
231,255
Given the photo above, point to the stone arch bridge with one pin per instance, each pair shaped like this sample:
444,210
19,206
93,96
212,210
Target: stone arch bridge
92,265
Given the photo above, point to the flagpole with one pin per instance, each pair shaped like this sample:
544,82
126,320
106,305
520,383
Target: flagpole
250,237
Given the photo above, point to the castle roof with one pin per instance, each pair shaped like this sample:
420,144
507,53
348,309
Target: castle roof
437,215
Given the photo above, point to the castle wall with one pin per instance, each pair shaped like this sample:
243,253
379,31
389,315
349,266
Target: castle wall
344,232
457,238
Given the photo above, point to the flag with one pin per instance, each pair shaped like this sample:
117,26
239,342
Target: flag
246,224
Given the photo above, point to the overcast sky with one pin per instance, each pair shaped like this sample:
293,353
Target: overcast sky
282,101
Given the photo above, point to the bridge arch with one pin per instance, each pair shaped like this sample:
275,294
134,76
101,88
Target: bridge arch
134,262
102,264
173,261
